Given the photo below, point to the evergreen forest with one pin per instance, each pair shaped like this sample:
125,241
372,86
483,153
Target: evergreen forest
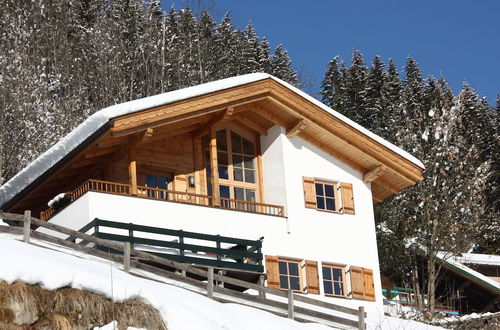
63,60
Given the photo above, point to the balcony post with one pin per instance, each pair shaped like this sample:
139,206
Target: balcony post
215,168
132,174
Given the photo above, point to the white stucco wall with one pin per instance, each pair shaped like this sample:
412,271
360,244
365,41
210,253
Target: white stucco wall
305,233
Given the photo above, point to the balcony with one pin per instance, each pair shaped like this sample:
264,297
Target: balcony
167,196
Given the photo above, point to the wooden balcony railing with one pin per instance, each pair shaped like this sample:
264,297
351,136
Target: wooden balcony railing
170,196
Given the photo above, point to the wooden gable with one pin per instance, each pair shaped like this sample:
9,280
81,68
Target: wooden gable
257,106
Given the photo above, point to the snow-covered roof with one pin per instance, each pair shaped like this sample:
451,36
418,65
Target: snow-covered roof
96,121
479,259
470,273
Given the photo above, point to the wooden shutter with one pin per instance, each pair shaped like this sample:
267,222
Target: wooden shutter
347,198
273,276
312,277
369,286
309,193
357,282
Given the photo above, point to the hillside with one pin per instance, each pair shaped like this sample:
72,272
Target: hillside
55,271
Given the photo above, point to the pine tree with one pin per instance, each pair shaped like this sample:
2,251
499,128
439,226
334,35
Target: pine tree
373,116
355,88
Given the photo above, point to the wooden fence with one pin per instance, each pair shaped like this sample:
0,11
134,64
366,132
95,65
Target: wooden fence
355,317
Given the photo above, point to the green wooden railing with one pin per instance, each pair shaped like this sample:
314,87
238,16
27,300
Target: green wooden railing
182,246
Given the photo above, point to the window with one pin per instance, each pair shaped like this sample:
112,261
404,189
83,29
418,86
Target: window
289,275
325,196
328,196
292,274
333,280
159,182
236,166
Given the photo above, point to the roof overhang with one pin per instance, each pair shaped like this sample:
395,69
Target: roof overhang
260,101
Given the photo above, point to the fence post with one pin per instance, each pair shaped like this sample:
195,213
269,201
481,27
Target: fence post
262,293
210,283
290,304
219,258
126,257
361,314
27,226
181,242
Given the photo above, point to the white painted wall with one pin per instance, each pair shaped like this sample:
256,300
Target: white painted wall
305,234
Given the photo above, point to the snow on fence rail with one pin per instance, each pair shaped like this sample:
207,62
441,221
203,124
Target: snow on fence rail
355,317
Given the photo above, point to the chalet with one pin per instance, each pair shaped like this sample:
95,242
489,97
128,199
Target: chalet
249,157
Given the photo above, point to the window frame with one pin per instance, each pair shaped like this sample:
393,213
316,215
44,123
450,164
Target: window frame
301,275
332,266
336,195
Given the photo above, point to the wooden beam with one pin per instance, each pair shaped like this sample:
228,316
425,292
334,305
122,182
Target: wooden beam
100,152
298,127
373,174
132,177
214,168
214,120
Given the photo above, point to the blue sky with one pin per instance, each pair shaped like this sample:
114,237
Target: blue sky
455,38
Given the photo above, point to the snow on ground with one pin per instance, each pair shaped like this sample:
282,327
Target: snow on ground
181,309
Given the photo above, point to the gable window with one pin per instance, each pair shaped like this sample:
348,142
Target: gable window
328,196
333,280
236,167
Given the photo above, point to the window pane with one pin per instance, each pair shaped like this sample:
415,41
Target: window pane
236,142
283,268
337,274
327,274
248,148
293,268
239,194
224,191
223,172
162,182
284,282
320,202
319,189
330,204
249,162
151,180
338,288
329,190
250,195
222,158
294,283
238,174
250,176
209,170
221,139
237,160
328,287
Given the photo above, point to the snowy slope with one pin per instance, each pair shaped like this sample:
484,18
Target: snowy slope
76,137
180,308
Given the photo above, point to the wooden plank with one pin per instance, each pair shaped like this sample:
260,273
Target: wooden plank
361,317
126,258
373,174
